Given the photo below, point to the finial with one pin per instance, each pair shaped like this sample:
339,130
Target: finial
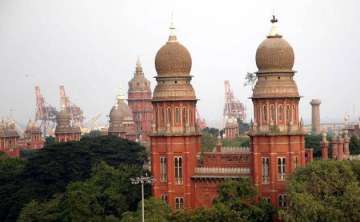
172,28
120,95
138,62
274,31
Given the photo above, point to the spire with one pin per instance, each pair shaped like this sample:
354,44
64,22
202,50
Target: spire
274,30
172,36
138,70
120,96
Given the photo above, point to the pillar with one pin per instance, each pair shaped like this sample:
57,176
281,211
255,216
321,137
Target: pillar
315,116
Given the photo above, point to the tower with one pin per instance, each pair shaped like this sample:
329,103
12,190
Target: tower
65,131
32,136
277,134
139,101
315,116
121,121
175,138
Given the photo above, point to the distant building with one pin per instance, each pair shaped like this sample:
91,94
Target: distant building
9,139
32,138
65,131
315,116
121,121
139,100
231,129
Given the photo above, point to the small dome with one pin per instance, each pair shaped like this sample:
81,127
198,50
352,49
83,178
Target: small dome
173,59
120,111
274,54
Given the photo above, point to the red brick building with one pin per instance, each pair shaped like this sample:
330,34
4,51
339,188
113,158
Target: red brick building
121,121
139,101
65,131
231,130
9,139
32,138
185,178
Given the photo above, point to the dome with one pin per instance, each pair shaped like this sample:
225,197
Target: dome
63,116
274,54
120,111
173,59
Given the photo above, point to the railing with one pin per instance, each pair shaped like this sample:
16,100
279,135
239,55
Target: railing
235,149
218,170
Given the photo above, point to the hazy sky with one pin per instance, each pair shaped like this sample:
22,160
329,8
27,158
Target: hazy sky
90,46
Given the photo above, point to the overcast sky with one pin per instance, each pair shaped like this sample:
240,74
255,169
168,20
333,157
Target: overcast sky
91,46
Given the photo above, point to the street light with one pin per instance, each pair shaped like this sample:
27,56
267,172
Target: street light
142,180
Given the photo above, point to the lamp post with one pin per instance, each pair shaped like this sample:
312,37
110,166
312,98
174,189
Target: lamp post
142,180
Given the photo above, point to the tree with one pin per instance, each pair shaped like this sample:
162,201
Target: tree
92,134
51,169
324,191
354,145
155,211
49,140
103,197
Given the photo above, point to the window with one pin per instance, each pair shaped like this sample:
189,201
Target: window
169,115
265,170
267,199
163,169
273,113
179,203
184,116
281,112
281,168
265,113
282,200
164,197
293,113
178,170
177,115
288,114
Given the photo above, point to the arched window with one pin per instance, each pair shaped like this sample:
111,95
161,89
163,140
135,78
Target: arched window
281,112
288,113
265,113
183,116
177,115
293,113
273,113
169,115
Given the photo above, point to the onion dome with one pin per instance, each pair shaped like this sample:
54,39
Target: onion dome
139,83
120,111
275,59
173,59
32,128
8,129
274,54
173,65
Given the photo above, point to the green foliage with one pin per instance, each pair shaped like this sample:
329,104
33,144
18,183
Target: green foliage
209,139
54,167
92,134
49,140
26,154
313,141
324,191
242,141
155,211
354,145
104,196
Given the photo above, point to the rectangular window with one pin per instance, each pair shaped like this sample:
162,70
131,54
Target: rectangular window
179,203
281,168
163,169
178,170
265,170
282,200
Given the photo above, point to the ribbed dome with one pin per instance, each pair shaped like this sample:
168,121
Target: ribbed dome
63,117
275,54
173,59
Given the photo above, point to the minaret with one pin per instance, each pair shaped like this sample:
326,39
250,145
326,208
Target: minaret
277,135
139,101
315,116
175,138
